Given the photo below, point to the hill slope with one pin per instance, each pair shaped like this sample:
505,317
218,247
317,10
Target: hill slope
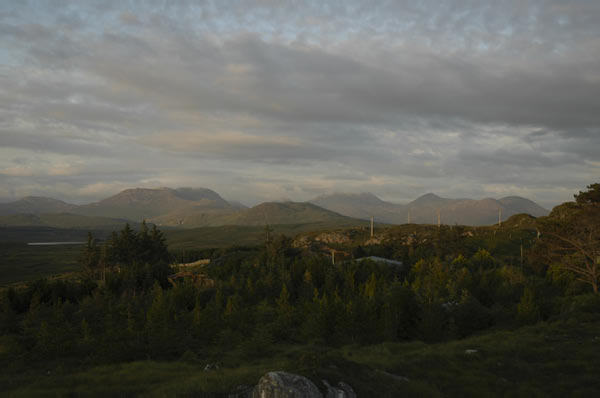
142,203
271,213
283,213
36,205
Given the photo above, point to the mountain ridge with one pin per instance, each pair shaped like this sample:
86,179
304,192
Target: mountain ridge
195,207
35,205
424,209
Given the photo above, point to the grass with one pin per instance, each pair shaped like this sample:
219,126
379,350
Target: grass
555,359
561,358
142,378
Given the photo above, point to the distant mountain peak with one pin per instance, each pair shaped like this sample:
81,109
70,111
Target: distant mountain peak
429,195
148,203
428,198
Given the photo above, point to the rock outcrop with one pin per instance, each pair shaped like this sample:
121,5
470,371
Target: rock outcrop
342,390
289,385
285,385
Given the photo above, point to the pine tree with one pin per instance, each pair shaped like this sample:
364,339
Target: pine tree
285,315
157,323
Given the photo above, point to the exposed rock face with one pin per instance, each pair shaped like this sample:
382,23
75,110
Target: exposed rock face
285,385
342,390
320,239
374,241
332,237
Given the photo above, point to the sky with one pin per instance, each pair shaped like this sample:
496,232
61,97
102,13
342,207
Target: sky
270,100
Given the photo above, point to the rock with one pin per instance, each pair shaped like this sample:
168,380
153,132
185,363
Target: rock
332,237
342,390
470,351
241,391
285,385
211,366
374,241
347,389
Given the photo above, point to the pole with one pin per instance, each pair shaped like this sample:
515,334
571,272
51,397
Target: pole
521,256
371,227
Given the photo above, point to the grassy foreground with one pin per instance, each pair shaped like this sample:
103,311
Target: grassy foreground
561,358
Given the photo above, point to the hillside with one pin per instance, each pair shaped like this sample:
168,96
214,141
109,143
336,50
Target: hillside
142,203
424,210
523,205
363,205
35,205
202,207
270,213
282,213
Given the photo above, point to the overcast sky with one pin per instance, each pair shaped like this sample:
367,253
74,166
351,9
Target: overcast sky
262,100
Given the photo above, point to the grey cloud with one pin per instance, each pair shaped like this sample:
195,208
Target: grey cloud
451,94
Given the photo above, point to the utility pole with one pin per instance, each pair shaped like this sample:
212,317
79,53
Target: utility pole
499,216
521,255
409,216
268,230
439,218
371,227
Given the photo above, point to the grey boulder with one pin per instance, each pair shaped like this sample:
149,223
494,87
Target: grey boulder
285,385
342,390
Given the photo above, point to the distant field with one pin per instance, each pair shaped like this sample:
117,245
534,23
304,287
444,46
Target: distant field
21,263
228,235
26,234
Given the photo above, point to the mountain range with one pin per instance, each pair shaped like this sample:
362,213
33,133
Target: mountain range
199,207
425,209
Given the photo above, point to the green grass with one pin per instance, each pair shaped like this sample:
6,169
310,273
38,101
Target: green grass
143,378
21,263
557,359
561,358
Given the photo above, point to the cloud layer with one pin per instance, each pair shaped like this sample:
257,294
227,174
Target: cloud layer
261,100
